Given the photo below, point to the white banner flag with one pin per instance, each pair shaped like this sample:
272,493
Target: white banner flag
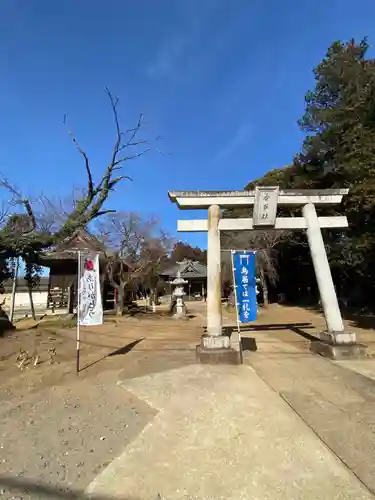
90,299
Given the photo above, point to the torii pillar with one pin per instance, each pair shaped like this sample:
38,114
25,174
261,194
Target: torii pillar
335,342
214,316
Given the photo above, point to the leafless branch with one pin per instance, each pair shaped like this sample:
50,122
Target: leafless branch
131,142
264,242
90,185
131,157
138,247
134,131
114,103
18,199
103,212
50,222
4,213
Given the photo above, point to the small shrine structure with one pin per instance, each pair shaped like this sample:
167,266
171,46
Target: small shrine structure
62,262
195,274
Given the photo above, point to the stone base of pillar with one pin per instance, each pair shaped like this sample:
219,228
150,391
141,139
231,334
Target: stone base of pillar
339,346
218,350
215,342
338,338
183,317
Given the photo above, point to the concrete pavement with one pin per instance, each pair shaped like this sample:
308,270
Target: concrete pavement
222,432
335,399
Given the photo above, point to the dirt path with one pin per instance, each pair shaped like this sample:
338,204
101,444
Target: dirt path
297,326
61,430
63,436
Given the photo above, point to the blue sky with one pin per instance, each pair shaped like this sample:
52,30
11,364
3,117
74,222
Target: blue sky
223,82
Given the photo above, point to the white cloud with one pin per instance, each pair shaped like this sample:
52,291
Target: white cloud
168,56
242,134
185,43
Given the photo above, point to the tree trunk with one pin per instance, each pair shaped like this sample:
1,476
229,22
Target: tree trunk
102,283
30,290
120,299
71,298
263,281
153,299
232,299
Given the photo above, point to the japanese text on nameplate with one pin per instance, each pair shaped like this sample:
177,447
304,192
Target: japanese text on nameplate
265,206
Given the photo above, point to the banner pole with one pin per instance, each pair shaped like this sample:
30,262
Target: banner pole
235,293
14,289
78,308
235,298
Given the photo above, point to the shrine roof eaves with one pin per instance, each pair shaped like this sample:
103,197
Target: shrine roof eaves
67,249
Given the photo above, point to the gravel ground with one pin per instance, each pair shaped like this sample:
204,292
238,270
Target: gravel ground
61,437
57,430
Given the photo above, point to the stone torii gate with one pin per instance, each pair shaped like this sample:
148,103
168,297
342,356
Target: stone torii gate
334,342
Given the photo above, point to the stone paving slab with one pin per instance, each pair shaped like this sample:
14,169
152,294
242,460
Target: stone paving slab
336,399
223,433
365,367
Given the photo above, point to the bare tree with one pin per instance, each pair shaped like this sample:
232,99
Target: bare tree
265,242
41,225
51,213
28,226
137,249
227,276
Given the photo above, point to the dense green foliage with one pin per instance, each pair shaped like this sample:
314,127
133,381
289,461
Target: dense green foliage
183,251
338,151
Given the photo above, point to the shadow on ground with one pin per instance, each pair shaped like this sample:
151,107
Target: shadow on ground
126,348
122,350
357,317
249,343
6,327
32,490
365,321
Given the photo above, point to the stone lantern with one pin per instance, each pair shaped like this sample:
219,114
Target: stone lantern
178,304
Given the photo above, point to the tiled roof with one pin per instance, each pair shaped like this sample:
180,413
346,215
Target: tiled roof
67,249
188,269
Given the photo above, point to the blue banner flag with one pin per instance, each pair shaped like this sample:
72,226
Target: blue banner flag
245,285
